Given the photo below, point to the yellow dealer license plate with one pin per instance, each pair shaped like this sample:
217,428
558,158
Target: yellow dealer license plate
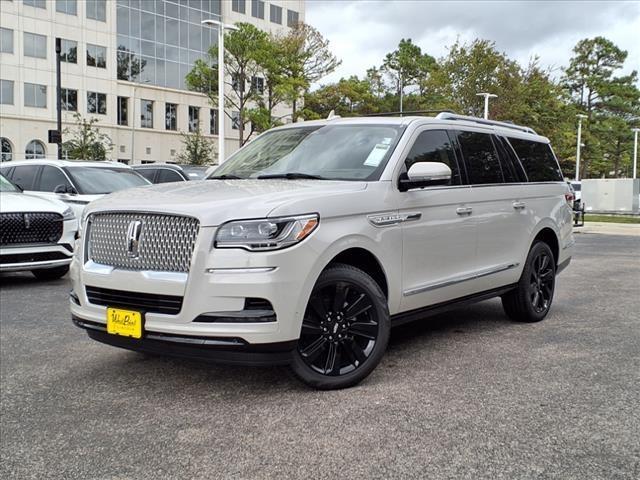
124,322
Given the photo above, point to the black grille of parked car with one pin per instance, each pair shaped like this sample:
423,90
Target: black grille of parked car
142,302
28,228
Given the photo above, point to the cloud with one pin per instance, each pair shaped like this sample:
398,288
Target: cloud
361,32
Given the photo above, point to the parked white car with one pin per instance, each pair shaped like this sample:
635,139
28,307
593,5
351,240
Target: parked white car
36,234
310,242
74,182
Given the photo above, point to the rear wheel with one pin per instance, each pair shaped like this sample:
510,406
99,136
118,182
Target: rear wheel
345,330
51,273
531,300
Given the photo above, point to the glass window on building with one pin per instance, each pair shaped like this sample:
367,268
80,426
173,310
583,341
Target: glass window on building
123,111
97,103
70,7
171,116
238,6
97,9
194,118
35,149
35,95
6,40
96,56
6,92
235,120
69,99
275,14
292,18
213,122
237,83
35,45
6,150
36,3
257,84
257,9
69,51
146,113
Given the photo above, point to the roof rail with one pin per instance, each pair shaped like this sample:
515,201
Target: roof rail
482,121
405,112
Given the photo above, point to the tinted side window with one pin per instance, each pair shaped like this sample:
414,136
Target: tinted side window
147,173
480,158
50,178
165,176
538,160
25,175
511,168
435,146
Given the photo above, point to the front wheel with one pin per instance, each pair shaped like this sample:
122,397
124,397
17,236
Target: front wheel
531,300
345,330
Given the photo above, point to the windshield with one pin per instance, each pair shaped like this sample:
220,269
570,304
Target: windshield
6,185
334,152
101,180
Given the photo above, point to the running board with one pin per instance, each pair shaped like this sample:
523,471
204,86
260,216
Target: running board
420,313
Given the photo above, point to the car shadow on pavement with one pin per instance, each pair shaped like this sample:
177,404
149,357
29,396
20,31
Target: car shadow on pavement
18,280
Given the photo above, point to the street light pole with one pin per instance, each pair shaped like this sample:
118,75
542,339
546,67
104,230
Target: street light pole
486,96
133,123
579,144
221,27
635,151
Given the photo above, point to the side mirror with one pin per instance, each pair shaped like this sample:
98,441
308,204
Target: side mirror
60,189
425,174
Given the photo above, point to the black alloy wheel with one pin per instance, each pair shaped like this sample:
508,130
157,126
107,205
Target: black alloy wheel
531,300
345,329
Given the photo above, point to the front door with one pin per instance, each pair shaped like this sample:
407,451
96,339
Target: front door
439,233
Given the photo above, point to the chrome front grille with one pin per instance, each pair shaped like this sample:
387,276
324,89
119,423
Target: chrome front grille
162,242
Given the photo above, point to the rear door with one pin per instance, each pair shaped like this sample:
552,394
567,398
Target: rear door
503,220
438,236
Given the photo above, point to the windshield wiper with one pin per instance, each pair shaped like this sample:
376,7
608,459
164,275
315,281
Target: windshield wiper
225,177
291,176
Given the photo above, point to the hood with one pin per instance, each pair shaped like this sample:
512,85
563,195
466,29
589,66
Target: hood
216,201
11,202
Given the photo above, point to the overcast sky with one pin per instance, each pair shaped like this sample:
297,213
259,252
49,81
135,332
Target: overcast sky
361,32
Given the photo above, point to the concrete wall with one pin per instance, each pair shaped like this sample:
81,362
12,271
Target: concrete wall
611,195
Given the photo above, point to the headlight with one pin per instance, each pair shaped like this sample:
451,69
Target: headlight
68,214
265,233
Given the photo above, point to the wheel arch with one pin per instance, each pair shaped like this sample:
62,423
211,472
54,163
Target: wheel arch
550,236
367,262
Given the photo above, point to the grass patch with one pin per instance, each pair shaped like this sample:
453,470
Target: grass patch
611,218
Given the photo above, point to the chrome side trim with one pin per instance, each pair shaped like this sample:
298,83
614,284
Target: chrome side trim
242,270
387,219
455,280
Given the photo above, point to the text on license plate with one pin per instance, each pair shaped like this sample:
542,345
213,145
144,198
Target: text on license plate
124,322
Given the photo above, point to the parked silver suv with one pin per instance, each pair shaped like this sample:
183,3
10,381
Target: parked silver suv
313,240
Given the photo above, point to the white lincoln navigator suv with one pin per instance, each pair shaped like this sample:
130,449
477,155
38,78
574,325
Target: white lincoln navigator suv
312,241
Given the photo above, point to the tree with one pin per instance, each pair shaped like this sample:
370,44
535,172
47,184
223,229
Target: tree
407,66
197,149
87,141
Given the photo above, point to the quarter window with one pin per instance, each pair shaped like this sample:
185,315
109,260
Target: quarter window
97,103
69,99
69,51
6,92
538,160
481,159
35,95
35,45
435,146
6,40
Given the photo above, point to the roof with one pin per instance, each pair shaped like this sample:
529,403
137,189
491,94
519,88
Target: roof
65,163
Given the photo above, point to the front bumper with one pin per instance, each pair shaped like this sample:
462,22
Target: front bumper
34,257
226,350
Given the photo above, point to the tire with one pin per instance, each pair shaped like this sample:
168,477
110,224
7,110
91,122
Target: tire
531,300
345,330
51,273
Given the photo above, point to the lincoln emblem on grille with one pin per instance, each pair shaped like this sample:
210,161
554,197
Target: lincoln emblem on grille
27,221
133,238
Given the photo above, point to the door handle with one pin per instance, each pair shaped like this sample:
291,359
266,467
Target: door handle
519,205
464,210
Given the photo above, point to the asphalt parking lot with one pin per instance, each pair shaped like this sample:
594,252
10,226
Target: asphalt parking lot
467,394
